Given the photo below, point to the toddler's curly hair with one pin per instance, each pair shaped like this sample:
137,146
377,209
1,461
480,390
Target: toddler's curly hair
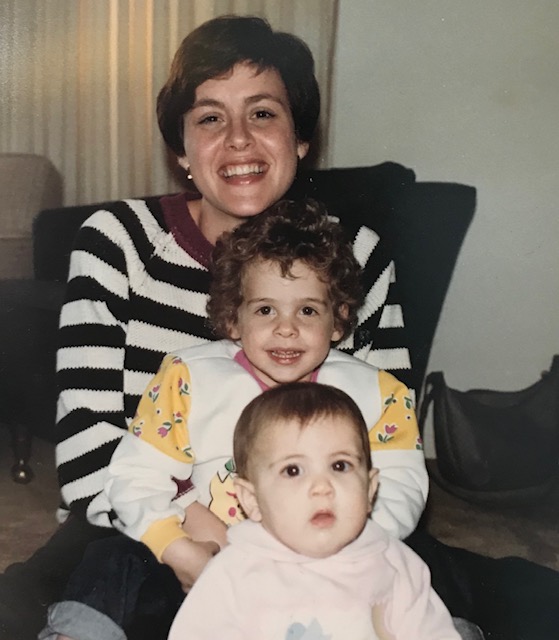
286,232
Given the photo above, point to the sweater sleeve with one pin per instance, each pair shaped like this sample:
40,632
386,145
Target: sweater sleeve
212,608
148,480
397,451
380,337
413,609
90,360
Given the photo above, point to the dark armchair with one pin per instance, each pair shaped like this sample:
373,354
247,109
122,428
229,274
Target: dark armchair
424,221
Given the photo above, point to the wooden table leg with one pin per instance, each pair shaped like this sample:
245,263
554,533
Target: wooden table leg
21,445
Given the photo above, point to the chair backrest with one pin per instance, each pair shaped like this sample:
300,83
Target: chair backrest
28,184
424,222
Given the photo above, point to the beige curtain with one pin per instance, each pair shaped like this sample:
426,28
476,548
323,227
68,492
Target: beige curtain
78,81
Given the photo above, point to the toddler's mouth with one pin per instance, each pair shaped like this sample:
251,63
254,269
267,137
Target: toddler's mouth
285,356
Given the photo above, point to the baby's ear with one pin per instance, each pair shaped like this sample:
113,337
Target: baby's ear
373,486
247,498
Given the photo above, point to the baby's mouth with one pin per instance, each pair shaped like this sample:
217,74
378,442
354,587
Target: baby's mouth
323,519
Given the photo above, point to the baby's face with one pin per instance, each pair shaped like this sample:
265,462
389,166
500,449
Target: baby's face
312,485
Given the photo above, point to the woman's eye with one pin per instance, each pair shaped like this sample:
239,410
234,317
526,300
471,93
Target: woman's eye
261,114
208,119
291,471
341,465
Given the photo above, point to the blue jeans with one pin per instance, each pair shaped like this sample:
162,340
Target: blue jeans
118,591
509,598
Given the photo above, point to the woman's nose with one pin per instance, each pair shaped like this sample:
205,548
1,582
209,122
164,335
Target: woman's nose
238,135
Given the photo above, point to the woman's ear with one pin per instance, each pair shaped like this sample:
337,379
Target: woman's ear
183,162
247,498
302,149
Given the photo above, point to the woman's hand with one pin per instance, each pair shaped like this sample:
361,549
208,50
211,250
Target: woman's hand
188,558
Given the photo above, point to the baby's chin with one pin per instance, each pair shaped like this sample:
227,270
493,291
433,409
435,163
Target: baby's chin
319,550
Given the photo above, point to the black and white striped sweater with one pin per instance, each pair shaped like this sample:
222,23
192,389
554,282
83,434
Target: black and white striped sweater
137,289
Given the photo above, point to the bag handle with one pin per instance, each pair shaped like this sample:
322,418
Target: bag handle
434,383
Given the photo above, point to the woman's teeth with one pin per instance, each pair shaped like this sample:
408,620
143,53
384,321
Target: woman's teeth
242,170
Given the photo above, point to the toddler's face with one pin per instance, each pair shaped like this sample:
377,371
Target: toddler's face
285,325
311,487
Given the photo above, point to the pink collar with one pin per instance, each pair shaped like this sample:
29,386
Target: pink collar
240,358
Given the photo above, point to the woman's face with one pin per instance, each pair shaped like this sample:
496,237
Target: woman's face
240,145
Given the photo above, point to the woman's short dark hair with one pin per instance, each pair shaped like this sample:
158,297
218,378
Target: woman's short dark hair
299,401
214,48
287,231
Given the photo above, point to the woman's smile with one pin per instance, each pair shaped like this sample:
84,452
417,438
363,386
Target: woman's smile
243,170
240,147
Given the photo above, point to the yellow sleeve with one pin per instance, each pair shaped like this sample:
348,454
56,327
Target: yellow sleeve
397,427
161,533
162,415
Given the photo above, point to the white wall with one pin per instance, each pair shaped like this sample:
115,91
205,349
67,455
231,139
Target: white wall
468,92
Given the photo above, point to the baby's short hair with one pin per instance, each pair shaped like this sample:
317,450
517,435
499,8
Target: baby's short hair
299,401
287,231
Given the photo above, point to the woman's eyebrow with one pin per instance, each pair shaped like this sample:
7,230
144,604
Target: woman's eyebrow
264,96
207,102
212,102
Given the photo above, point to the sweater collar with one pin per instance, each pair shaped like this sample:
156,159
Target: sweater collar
185,231
255,539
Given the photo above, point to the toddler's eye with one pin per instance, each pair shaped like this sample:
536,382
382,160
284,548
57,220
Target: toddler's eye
308,311
291,471
266,310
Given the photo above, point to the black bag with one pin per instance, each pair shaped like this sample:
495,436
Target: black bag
496,446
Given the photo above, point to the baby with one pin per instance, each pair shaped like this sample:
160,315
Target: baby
309,563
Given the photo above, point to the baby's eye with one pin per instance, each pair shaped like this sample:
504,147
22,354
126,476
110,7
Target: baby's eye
308,311
341,465
291,471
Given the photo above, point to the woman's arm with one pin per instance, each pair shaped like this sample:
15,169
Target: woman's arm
380,337
90,361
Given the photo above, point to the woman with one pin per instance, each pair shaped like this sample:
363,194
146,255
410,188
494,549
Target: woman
138,279
239,110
